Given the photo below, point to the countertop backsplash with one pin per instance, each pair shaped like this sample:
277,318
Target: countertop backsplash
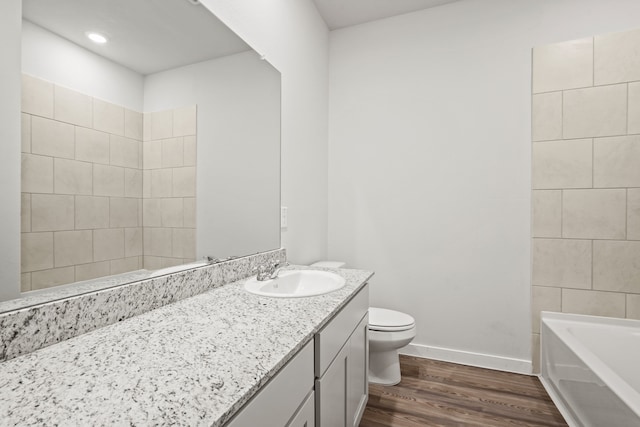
29,329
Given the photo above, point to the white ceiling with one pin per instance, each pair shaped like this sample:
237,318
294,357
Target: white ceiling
344,13
146,36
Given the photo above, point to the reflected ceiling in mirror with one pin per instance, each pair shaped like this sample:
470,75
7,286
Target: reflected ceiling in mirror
147,36
164,141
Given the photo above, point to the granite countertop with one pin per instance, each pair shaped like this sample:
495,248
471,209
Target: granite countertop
193,362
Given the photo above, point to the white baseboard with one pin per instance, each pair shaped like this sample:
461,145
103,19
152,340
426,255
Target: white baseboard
489,361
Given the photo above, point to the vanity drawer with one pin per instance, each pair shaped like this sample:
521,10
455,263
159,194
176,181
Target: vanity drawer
333,336
279,400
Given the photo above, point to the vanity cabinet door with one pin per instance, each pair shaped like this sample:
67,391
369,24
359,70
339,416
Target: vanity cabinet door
343,390
331,392
358,373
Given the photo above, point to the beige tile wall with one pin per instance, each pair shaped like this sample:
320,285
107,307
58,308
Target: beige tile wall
169,187
586,178
83,207
76,202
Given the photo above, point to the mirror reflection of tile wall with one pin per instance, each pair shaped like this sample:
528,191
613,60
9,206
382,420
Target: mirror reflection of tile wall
84,205
169,190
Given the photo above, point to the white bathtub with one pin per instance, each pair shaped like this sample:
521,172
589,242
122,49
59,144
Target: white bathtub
590,366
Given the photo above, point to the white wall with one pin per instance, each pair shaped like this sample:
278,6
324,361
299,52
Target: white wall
293,38
429,164
55,59
238,153
10,23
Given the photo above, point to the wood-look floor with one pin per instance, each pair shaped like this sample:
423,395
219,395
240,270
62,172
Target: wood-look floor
434,393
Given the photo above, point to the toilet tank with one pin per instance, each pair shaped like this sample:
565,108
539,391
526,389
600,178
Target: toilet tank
329,264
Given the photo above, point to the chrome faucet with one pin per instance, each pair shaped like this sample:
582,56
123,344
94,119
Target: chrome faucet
269,272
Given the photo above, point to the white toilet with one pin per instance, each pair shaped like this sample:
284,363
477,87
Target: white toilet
389,331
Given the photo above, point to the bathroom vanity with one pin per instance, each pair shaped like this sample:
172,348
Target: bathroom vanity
222,357
335,361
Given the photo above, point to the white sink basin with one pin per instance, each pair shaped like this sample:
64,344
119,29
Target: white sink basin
296,284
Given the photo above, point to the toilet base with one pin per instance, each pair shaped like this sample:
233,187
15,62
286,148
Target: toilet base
384,367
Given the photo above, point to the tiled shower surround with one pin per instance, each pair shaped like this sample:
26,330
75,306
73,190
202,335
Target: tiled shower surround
169,187
586,178
84,205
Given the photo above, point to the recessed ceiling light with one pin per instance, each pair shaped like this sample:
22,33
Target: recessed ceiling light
96,38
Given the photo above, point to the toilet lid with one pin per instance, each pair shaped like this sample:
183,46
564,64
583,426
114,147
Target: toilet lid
382,319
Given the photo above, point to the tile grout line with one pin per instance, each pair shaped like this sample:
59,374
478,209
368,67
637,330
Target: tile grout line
573,89
74,228
626,215
561,213
53,234
593,162
562,115
627,112
592,258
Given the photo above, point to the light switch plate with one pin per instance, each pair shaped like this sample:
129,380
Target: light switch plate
283,217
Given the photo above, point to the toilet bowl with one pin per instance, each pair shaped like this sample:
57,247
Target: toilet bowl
389,331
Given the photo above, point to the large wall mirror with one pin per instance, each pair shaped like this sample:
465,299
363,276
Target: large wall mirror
154,148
